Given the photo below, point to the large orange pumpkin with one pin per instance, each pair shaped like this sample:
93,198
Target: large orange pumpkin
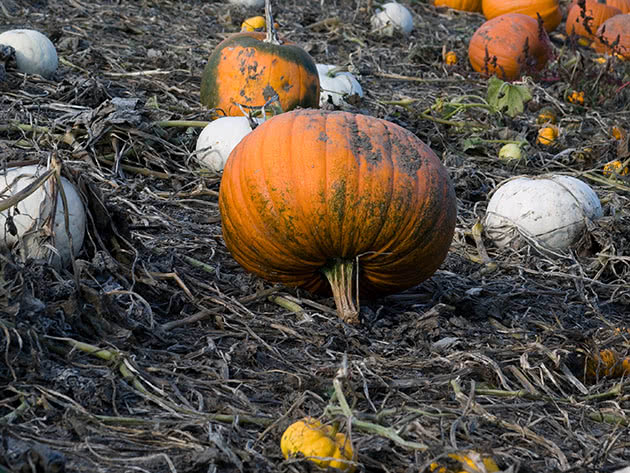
246,69
585,21
549,10
462,5
337,201
509,45
613,36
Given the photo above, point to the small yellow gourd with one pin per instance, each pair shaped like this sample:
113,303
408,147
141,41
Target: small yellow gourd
255,23
320,443
469,461
450,58
510,152
547,135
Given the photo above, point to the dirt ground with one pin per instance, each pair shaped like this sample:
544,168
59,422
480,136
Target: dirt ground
157,352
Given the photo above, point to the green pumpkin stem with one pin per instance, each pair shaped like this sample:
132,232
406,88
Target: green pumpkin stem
340,276
272,34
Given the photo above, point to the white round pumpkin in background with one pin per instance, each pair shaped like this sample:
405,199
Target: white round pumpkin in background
34,52
336,87
392,17
554,210
218,138
248,3
30,235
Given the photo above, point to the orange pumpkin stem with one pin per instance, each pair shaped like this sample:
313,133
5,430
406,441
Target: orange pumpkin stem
340,276
272,34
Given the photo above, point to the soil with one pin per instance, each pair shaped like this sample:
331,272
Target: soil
156,352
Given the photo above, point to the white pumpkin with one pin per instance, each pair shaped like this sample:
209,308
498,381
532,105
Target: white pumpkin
335,88
218,138
248,3
393,17
33,238
34,52
554,210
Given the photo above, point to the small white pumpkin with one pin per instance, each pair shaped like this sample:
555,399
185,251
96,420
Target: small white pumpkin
393,17
218,138
248,3
554,210
336,87
33,238
34,52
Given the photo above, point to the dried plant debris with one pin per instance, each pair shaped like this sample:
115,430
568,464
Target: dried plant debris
155,351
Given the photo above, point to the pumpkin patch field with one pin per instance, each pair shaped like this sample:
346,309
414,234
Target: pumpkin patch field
336,235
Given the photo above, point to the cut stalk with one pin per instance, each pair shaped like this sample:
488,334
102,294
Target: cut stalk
272,34
340,276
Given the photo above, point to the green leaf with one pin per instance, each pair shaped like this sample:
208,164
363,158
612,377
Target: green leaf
471,143
503,95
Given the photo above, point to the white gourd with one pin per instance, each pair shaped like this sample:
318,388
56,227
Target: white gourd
218,138
35,238
392,17
34,52
555,210
342,84
248,3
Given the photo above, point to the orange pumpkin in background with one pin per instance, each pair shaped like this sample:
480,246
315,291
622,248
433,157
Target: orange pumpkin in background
247,69
509,46
461,5
613,37
623,5
596,13
335,202
549,10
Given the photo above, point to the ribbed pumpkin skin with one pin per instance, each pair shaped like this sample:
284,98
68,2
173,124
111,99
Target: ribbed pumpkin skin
623,5
505,37
461,5
243,69
549,10
310,187
596,13
617,26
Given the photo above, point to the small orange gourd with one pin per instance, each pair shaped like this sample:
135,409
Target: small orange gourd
450,58
547,135
607,363
618,133
461,5
613,37
576,97
549,10
509,46
585,22
319,443
615,167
